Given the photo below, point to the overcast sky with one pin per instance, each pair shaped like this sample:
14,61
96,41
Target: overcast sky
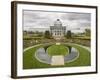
42,19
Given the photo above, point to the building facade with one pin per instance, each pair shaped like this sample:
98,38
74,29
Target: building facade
58,30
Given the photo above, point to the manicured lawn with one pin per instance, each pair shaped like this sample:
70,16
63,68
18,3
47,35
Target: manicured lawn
57,50
30,62
84,58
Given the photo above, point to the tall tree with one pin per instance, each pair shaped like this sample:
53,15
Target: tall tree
47,34
87,32
69,34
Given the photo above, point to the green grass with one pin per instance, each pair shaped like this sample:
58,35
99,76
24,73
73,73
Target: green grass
84,58
30,62
57,50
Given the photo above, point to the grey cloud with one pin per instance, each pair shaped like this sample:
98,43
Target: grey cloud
45,19
77,16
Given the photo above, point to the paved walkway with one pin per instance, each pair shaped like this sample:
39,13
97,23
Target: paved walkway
36,46
57,60
43,56
87,48
73,55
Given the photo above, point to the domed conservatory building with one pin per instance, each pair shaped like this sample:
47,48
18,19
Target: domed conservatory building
58,30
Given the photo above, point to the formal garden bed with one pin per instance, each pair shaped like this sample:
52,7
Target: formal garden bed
30,61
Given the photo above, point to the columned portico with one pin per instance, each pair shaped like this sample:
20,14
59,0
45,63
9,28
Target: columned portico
58,31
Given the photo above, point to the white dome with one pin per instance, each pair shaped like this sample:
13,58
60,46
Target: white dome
58,23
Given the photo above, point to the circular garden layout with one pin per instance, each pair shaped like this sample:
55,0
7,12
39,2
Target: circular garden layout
57,50
56,55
